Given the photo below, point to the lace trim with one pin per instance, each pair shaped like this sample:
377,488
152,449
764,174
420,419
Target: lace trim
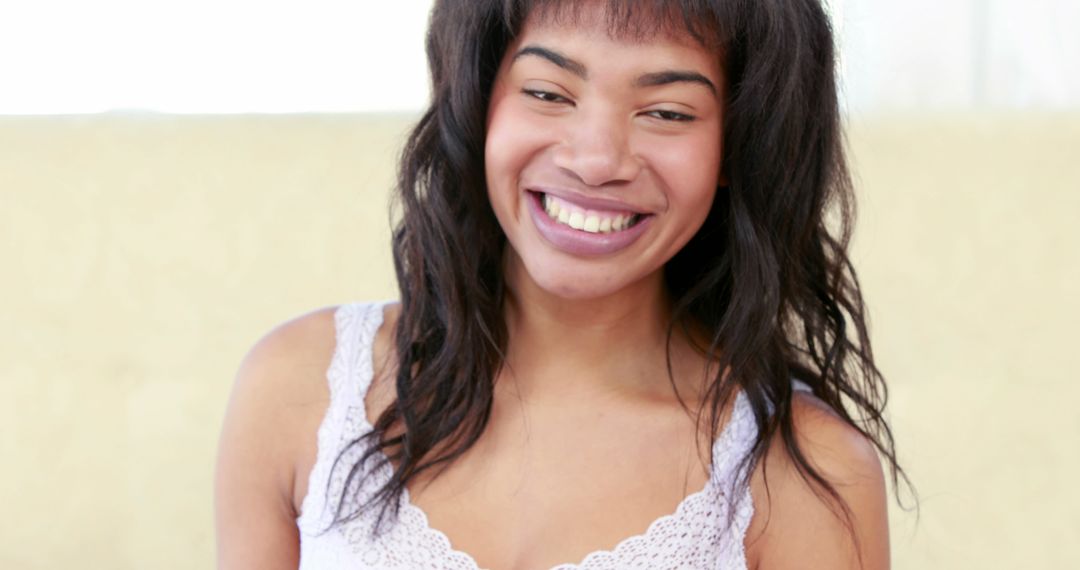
695,535
348,377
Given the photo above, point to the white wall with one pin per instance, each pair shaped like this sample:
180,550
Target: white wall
935,55
229,56
219,56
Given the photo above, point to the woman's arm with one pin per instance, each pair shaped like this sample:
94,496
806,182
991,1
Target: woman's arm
268,437
802,526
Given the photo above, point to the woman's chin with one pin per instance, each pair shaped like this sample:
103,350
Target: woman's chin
577,283
571,291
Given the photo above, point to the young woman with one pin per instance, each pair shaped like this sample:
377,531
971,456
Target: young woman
627,335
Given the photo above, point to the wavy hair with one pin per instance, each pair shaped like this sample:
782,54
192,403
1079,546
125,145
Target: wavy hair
766,278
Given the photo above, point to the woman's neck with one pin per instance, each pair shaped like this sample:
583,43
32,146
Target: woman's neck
611,346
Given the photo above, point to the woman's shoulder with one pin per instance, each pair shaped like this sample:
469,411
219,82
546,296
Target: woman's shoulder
797,524
281,379
274,397
297,339
286,366
296,353
281,392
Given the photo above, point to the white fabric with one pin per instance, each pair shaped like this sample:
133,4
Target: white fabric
696,536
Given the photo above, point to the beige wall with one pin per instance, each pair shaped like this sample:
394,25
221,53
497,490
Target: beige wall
142,255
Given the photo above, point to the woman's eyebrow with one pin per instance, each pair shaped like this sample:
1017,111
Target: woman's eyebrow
573,66
675,76
654,79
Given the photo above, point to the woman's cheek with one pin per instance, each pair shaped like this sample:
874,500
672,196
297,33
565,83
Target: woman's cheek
690,167
515,135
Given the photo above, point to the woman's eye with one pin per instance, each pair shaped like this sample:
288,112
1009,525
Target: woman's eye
546,96
671,116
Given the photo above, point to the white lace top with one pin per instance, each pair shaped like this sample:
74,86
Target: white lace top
696,536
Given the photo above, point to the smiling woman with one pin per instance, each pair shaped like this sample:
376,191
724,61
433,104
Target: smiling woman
622,134
626,336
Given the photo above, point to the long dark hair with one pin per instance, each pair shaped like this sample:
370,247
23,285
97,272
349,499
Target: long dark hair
766,278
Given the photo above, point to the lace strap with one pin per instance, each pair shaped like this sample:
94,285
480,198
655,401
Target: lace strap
351,369
741,433
348,378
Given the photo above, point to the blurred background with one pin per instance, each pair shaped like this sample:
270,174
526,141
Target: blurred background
177,178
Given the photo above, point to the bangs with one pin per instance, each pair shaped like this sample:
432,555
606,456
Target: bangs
632,20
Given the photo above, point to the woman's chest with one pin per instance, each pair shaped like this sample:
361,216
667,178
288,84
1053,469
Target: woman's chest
539,492
614,493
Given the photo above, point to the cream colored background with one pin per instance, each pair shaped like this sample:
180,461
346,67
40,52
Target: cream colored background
143,254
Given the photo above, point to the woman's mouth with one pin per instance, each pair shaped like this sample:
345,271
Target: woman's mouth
587,220
583,228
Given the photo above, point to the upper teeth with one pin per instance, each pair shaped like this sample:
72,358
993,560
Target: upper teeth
586,220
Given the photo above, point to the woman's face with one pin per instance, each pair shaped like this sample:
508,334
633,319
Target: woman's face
602,154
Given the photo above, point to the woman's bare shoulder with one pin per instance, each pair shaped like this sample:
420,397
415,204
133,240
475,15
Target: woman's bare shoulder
285,371
278,398
298,339
796,523
288,365
281,389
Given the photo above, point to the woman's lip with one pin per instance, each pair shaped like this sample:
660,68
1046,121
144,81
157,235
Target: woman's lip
578,242
588,202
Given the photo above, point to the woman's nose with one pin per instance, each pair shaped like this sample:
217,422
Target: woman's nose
597,150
